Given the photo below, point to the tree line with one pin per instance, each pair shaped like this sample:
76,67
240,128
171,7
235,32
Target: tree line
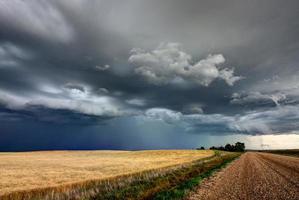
238,147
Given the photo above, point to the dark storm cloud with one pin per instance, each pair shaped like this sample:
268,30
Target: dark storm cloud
215,66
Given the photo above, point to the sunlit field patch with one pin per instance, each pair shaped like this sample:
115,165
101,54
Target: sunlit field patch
31,170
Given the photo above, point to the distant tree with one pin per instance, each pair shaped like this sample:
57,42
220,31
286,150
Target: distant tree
201,148
239,146
228,147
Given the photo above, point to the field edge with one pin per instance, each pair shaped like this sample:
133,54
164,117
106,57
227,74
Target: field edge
141,185
183,189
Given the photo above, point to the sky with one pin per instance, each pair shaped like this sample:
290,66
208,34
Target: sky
137,74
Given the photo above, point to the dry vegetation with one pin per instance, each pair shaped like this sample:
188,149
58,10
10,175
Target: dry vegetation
31,171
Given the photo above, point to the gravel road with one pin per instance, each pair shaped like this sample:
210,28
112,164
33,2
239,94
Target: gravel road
253,176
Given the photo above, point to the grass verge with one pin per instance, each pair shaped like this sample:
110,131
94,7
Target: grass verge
180,191
173,185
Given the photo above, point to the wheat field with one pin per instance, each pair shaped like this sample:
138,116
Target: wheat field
31,170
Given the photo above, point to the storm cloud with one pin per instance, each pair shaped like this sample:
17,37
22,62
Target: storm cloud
208,67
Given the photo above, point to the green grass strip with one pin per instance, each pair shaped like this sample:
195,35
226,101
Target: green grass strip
184,188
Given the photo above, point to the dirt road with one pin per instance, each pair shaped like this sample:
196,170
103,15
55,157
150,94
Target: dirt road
253,176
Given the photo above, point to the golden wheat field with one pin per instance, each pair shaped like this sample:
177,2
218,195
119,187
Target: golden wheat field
30,170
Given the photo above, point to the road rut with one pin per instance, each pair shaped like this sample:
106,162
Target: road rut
261,176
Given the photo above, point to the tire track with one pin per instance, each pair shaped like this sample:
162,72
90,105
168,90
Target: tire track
281,184
290,163
283,171
254,176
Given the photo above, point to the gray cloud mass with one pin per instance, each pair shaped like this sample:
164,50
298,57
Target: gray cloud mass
216,67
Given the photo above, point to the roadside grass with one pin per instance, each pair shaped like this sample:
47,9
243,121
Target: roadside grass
163,183
173,185
180,191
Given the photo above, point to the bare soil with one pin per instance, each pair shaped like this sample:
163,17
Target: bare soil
253,176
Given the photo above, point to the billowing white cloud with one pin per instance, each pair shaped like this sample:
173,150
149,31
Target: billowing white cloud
228,76
168,63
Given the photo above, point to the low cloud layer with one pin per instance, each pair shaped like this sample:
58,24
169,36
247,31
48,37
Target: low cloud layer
274,121
71,97
258,99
